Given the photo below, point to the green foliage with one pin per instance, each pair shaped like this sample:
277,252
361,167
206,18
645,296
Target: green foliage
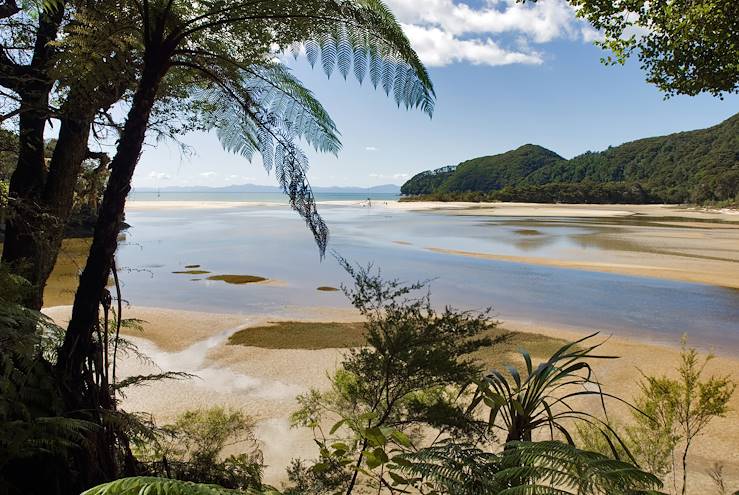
693,401
143,485
673,412
685,47
520,405
524,468
491,173
37,436
409,376
697,166
192,448
8,153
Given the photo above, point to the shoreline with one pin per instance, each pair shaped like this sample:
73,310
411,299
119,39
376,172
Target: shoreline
588,210
264,382
669,242
717,279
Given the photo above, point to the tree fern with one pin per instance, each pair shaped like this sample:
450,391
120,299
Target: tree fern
523,468
143,485
278,112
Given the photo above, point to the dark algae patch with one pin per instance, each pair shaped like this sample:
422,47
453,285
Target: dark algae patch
326,288
527,232
192,272
327,335
506,352
301,335
238,279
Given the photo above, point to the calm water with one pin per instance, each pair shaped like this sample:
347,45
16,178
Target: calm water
272,241
267,197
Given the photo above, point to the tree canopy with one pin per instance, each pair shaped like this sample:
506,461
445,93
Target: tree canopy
697,166
684,46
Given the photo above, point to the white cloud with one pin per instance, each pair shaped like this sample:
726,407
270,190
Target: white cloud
159,175
448,31
403,175
437,47
370,148
207,174
240,177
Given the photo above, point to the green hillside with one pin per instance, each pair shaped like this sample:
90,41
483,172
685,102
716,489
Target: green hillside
490,173
696,166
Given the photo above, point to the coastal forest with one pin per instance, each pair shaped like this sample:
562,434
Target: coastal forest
412,406
697,167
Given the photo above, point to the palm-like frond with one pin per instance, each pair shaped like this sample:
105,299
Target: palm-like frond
143,485
541,398
268,113
369,36
555,467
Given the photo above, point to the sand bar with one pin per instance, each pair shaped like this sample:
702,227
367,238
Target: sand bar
264,382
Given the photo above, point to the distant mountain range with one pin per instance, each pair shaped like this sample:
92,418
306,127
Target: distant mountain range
696,166
256,188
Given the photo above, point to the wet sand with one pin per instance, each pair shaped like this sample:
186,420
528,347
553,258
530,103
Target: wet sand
662,241
264,382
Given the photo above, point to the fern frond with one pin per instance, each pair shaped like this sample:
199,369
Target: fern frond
267,114
143,485
367,36
525,468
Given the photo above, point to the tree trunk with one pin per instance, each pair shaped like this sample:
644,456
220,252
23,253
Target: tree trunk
33,85
77,344
34,241
26,185
76,366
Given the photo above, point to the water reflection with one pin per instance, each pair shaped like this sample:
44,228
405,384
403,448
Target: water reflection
273,242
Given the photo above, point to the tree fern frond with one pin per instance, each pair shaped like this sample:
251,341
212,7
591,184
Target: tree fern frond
143,485
525,468
312,51
366,35
375,67
328,53
267,113
360,63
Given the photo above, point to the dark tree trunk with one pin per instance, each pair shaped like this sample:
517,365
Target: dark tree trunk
76,363
26,184
33,238
77,346
22,236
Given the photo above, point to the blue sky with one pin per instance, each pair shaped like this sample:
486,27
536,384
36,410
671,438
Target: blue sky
505,75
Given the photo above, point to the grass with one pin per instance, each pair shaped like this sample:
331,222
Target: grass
192,266
301,335
193,272
326,288
237,279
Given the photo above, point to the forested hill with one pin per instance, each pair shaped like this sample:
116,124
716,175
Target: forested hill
696,166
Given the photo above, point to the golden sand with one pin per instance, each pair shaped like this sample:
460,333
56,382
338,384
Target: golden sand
265,382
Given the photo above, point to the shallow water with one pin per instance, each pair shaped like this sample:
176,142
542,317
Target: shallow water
272,241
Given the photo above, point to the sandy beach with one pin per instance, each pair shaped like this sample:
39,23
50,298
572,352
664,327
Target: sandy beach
265,382
656,241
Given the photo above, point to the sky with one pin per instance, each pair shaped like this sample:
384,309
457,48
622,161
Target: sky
505,74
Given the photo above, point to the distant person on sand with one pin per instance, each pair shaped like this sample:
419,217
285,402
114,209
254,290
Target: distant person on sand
369,203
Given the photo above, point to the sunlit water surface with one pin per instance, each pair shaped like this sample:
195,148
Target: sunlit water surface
273,242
